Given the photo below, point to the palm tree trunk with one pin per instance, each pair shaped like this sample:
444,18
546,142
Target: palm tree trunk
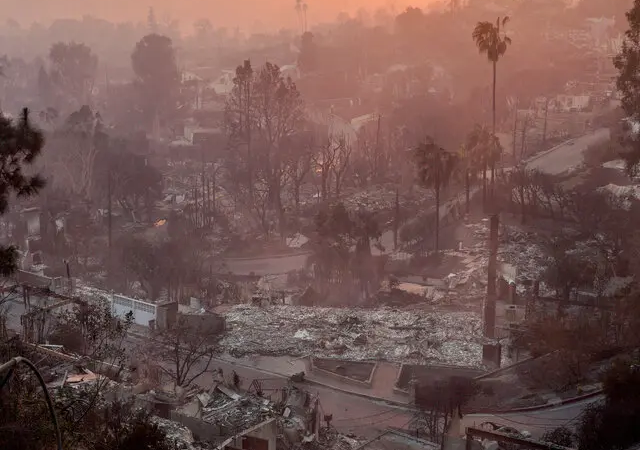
437,215
484,186
515,133
467,187
544,127
396,221
493,130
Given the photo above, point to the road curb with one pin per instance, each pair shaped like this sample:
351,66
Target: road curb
324,385
550,150
306,381
258,258
567,401
395,404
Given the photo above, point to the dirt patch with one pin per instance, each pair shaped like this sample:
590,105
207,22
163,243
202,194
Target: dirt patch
430,374
356,370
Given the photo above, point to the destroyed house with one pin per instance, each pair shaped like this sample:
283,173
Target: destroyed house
229,420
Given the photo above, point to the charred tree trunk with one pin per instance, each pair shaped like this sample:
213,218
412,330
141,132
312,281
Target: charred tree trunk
467,189
396,221
484,186
490,301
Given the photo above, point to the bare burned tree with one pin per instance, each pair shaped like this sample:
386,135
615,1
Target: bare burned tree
264,112
323,161
187,349
298,164
341,164
439,401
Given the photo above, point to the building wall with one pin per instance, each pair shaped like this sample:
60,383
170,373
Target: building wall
206,323
143,312
266,430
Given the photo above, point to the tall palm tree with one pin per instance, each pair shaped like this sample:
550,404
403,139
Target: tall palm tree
435,166
492,41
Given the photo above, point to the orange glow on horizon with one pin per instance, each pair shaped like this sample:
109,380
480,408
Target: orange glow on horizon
257,15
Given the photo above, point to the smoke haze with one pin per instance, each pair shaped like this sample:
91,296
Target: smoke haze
251,15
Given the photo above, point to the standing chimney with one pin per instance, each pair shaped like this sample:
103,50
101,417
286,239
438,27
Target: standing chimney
490,300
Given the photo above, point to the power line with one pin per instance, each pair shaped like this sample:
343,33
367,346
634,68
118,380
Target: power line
9,366
366,417
380,421
545,424
382,434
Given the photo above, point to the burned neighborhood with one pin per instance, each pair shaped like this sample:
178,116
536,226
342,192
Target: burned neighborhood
305,225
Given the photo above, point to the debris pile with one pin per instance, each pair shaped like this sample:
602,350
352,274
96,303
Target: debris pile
178,435
517,248
227,410
415,336
378,198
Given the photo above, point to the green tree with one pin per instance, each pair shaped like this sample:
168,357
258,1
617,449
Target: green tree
560,436
123,426
628,83
332,244
157,77
20,145
435,167
614,423
337,232
492,41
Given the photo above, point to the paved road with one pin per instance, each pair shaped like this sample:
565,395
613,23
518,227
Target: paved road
351,414
569,154
265,265
535,422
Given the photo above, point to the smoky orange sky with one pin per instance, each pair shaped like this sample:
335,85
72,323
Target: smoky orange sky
247,14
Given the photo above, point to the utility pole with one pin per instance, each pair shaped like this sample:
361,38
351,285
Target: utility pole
525,124
109,219
515,129
376,159
544,126
396,221
490,300
204,206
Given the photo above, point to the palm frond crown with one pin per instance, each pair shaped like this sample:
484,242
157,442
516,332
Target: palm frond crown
435,165
491,38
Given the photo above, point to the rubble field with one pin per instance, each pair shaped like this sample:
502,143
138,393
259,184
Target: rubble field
409,336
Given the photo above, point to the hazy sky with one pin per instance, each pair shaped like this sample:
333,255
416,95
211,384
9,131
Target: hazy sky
245,13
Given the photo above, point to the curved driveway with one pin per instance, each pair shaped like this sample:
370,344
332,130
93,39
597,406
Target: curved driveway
569,154
536,422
